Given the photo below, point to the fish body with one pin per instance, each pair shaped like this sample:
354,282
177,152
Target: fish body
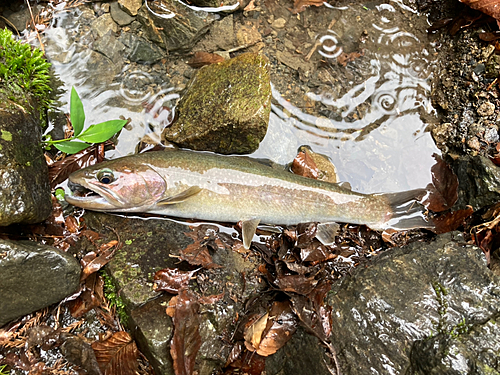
205,186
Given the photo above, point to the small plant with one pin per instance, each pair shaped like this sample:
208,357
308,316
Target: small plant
95,133
3,371
23,69
113,297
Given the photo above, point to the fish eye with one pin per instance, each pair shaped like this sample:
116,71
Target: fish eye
105,176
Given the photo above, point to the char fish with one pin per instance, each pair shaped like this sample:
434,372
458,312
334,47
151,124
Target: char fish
205,186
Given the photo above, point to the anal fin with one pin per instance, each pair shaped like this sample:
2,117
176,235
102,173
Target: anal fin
248,228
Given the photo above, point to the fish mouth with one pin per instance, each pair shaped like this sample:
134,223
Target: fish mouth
87,198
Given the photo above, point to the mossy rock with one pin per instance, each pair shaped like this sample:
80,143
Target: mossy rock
24,94
226,107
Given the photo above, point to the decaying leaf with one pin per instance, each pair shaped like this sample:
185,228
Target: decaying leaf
304,165
489,7
91,296
301,5
186,340
310,164
443,191
98,261
271,331
345,58
450,221
171,280
204,58
197,253
61,169
117,355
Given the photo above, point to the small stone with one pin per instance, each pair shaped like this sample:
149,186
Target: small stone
473,143
105,7
119,16
279,23
110,47
131,6
491,135
247,35
103,25
486,109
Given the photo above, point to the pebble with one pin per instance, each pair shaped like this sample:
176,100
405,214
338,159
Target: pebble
486,109
279,23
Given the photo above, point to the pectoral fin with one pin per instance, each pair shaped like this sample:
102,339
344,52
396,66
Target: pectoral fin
248,228
193,190
326,233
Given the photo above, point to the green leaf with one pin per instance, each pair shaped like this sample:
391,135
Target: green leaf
59,193
76,113
102,132
71,147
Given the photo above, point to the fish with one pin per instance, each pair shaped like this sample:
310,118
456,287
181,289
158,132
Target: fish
210,187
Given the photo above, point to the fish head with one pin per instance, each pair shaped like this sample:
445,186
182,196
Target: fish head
117,185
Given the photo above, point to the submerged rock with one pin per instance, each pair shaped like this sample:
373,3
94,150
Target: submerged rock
226,107
24,182
418,306
34,276
178,29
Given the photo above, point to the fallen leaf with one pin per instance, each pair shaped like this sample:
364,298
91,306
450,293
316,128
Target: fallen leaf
80,353
117,355
91,296
489,7
197,253
171,280
296,283
451,220
61,169
106,253
304,165
442,193
345,58
301,5
273,330
187,339
204,58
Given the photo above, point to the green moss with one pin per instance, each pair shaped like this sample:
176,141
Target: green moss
6,136
24,73
114,298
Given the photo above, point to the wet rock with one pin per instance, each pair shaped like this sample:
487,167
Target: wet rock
152,329
278,23
24,183
33,276
131,6
104,65
22,17
103,25
141,50
411,294
225,108
294,61
178,32
303,355
247,35
110,47
154,244
222,33
479,181
216,3
493,66
121,17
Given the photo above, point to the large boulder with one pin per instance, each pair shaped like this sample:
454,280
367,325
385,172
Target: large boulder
34,276
226,107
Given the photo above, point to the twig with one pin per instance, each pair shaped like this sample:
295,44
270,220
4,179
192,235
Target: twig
318,43
34,26
11,25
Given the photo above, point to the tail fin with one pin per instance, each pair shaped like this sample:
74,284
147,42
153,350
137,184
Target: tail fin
407,212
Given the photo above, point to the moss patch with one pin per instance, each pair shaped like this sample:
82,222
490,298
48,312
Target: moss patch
24,73
6,135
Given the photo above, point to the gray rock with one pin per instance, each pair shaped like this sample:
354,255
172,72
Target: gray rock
110,47
225,108
142,51
479,181
33,276
20,18
119,16
412,294
130,6
153,330
24,183
103,25
178,30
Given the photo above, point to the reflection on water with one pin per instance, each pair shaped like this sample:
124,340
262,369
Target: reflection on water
369,117
373,129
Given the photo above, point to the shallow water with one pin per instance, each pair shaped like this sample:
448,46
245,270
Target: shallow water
369,116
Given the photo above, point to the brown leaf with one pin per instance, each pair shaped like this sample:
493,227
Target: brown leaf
61,169
301,5
272,330
304,165
186,340
106,254
197,253
90,297
345,58
171,280
296,283
204,58
489,7
451,220
443,191
117,355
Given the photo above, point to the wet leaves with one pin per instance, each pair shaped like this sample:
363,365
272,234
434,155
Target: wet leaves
301,5
172,280
197,253
310,164
304,165
345,58
186,340
117,355
489,7
272,330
